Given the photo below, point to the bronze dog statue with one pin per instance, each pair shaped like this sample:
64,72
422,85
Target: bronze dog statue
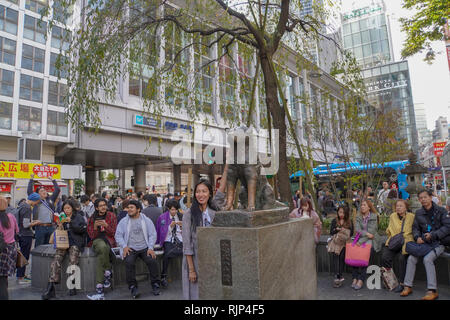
256,193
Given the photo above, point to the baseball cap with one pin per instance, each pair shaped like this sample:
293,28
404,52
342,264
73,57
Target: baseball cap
7,195
34,197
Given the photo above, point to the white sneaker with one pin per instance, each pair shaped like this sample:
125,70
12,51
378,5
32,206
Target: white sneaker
96,296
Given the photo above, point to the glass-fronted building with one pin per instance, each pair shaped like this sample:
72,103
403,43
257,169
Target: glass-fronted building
389,88
366,33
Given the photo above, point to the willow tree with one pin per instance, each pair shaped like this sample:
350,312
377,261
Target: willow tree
165,50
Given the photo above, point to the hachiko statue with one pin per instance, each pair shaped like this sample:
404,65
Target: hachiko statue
256,193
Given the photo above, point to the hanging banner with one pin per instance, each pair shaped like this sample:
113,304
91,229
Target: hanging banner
21,170
439,148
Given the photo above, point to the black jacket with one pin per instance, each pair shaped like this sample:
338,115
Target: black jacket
440,225
77,231
333,226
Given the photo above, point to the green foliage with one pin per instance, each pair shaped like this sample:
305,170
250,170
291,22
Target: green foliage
383,223
425,26
78,186
101,176
111,177
326,223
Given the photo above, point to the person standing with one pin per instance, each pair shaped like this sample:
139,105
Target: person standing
44,212
8,227
160,199
25,223
366,225
432,226
9,208
168,228
306,209
87,206
341,230
399,221
201,214
124,211
136,237
102,228
75,225
152,211
382,196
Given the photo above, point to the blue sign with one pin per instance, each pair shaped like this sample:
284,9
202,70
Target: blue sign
147,122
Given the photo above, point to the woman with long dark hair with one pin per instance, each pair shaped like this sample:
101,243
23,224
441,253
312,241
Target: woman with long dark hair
341,230
75,224
8,256
201,214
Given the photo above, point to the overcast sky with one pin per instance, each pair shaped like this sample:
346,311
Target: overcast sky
430,83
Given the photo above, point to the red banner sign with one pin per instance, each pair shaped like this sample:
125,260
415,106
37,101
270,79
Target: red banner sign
5,187
45,171
439,148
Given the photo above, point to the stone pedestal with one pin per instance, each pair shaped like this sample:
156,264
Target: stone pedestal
276,261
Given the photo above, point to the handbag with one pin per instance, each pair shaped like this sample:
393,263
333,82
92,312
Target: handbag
389,279
357,255
21,261
397,241
60,239
420,250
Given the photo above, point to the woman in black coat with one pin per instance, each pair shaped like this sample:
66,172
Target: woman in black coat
75,225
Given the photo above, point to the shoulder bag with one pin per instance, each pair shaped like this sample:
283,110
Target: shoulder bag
397,241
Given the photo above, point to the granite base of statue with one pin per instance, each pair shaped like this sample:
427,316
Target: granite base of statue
259,254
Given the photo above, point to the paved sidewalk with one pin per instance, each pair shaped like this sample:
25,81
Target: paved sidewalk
325,291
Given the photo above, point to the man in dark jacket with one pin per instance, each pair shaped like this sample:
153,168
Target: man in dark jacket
432,226
44,212
152,211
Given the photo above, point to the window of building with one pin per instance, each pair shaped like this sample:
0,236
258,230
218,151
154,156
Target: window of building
7,51
291,100
56,93
33,58
365,36
203,75
30,119
5,115
394,67
55,63
355,26
36,5
367,51
347,28
356,37
358,52
8,20
31,88
7,82
363,25
62,13
13,1
227,80
57,124
348,41
61,38
34,29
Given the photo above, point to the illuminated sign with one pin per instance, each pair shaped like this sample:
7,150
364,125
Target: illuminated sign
152,123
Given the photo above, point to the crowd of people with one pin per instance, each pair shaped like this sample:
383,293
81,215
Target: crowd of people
424,234
139,224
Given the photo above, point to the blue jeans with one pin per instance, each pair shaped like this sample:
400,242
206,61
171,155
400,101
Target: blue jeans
42,235
25,248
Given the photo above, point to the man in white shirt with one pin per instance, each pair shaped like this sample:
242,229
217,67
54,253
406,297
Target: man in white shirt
382,196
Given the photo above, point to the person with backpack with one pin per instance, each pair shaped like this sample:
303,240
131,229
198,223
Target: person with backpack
431,232
8,252
44,212
25,223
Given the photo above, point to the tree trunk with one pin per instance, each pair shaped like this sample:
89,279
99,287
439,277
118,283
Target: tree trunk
279,122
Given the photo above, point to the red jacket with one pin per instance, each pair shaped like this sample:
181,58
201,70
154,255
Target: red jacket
111,220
